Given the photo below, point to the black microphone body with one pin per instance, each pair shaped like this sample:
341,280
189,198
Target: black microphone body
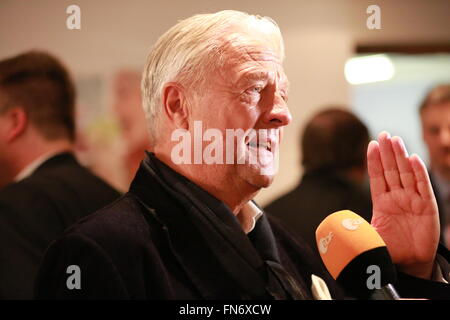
387,292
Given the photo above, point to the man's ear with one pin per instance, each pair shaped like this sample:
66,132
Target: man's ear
176,104
16,123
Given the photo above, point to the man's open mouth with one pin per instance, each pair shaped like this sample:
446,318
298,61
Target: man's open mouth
262,144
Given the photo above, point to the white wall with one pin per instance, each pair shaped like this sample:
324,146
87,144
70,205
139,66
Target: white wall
319,37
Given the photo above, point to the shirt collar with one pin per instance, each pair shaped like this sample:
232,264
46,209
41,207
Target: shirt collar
248,216
32,166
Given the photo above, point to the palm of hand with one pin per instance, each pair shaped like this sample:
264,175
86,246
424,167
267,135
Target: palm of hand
404,220
404,207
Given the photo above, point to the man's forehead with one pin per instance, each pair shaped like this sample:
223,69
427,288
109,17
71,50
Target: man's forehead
249,38
3,97
254,62
438,115
436,109
253,52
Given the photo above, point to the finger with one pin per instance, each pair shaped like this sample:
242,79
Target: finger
375,169
407,177
390,168
423,183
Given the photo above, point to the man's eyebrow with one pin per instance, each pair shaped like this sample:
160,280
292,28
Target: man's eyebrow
286,88
253,76
283,83
287,85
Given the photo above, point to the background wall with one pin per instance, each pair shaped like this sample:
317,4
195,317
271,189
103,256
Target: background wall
319,37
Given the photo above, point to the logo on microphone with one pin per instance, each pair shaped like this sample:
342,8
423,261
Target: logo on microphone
352,224
325,242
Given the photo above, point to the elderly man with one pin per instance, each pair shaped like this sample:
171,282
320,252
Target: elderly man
188,228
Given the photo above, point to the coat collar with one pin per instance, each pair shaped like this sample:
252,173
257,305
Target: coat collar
42,162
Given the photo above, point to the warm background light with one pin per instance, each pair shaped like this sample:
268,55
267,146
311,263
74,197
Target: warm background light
369,69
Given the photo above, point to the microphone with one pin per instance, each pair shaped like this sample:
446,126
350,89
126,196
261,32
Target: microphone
356,256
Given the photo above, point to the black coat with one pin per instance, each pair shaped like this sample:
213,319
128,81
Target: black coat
36,211
169,239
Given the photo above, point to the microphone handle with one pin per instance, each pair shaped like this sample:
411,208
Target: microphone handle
385,293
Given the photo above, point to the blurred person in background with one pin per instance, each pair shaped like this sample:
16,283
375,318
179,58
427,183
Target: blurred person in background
43,189
435,118
334,146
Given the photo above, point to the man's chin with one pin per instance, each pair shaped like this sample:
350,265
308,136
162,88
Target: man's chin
267,182
260,181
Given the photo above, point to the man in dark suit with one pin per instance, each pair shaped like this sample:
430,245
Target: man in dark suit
435,117
43,189
334,144
188,227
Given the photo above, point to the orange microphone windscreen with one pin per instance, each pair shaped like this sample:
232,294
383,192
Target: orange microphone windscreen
342,237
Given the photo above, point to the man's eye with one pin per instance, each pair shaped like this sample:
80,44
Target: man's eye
256,89
433,131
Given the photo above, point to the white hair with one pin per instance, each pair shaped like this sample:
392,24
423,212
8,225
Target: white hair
188,50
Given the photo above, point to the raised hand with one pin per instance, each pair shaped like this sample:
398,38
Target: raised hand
405,212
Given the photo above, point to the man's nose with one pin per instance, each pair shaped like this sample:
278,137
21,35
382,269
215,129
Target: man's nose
279,115
444,137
